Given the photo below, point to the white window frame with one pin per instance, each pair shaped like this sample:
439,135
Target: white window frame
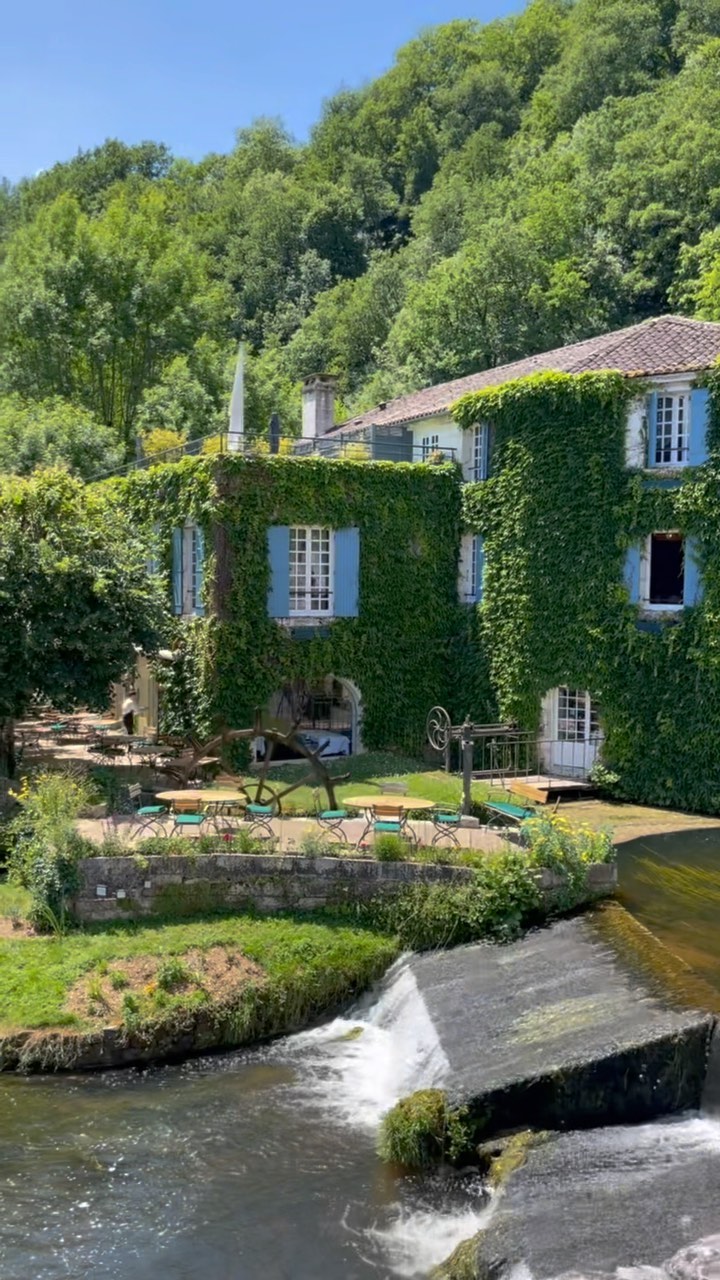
645,568
429,444
672,413
307,610
480,458
575,699
196,581
188,598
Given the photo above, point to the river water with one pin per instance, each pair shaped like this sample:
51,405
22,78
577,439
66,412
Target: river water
260,1165
244,1166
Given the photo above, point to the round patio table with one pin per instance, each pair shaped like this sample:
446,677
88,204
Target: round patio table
380,801
393,801
201,795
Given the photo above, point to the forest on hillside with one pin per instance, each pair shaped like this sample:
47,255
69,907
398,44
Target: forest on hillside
502,189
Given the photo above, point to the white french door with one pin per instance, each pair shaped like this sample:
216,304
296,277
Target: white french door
575,733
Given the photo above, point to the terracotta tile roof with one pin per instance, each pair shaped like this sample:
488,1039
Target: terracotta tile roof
668,344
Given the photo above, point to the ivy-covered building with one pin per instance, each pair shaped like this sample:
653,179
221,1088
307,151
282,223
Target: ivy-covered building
544,548
308,588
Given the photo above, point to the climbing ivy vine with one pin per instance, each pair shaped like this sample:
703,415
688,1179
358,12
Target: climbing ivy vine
399,652
557,516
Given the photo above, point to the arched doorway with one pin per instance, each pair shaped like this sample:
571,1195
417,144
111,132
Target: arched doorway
327,712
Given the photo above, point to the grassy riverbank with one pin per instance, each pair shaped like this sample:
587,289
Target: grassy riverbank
241,978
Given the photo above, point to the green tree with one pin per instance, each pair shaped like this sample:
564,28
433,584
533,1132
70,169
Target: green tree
92,309
75,597
48,433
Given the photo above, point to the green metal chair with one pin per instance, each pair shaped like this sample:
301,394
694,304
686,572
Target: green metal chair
260,817
330,820
148,814
388,821
446,822
188,822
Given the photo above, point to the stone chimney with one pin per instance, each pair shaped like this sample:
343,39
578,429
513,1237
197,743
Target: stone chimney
318,404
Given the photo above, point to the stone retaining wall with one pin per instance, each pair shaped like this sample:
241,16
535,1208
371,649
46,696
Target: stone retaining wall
136,886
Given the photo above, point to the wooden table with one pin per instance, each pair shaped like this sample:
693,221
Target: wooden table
201,795
400,804
393,801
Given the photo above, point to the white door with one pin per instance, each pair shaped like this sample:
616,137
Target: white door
575,734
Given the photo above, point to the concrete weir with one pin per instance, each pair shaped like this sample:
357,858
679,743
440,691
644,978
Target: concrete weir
559,1031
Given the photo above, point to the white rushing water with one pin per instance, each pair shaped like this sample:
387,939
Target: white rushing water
359,1066
356,1068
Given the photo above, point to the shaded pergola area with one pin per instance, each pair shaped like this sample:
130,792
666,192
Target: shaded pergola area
259,790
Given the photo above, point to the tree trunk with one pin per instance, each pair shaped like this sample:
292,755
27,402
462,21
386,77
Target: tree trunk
7,747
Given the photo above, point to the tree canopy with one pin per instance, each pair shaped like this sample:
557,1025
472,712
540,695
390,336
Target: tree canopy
503,188
75,595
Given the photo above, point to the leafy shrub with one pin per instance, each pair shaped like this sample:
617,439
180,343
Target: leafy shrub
605,780
47,847
316,844
104,787
502,898
390,848
553,842
172,973
423,1130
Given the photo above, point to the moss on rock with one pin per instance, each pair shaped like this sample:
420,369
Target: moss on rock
422,1130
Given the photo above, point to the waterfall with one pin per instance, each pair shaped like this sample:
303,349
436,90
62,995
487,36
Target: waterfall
353,1070
360,1065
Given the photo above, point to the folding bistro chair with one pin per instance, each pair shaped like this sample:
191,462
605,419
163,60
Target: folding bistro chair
147,814
330,820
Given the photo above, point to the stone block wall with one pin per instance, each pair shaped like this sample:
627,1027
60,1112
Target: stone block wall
117,887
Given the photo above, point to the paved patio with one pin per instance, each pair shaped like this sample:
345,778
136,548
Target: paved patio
289,831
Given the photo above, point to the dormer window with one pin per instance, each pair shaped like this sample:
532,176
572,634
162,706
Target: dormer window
670,430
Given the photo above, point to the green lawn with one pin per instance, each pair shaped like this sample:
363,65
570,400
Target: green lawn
308,965
13,900
369,772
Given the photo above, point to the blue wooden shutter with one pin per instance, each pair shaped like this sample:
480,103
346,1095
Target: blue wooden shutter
177,570
699,412
347,573
199,555
651,411
692,583
278,538
632,573
479,554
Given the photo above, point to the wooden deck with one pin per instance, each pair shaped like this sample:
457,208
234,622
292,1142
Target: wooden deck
541,788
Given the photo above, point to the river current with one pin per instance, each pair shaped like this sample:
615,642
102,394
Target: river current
260,1165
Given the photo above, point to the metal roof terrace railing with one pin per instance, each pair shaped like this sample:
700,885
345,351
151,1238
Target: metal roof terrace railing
365,446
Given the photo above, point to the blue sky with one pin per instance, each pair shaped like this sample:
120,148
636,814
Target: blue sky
188,72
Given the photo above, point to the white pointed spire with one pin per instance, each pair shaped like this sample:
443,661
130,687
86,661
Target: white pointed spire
236,425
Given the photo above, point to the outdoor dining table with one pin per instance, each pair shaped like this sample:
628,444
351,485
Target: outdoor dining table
393,801
200,796
400,803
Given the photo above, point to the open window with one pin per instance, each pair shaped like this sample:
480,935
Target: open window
665,570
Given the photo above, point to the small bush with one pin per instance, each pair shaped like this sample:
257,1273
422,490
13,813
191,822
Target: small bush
316,844
130,1010
390,848
173,973
605,780
423,1130
47,847
119,980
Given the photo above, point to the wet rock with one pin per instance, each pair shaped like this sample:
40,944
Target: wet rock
596,1203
